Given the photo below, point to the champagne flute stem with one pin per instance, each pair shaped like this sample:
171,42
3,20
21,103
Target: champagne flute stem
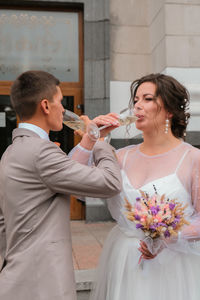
105,126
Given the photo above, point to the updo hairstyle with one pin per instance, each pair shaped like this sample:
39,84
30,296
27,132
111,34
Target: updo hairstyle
175,99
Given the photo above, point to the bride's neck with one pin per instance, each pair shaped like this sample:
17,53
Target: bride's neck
159,143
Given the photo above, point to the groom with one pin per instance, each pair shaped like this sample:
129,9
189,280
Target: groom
36,180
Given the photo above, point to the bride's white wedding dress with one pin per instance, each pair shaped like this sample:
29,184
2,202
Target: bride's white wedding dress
174,273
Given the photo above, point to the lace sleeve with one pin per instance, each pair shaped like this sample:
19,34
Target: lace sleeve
189,238
195,189
82,155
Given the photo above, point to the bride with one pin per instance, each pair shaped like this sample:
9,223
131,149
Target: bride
165,162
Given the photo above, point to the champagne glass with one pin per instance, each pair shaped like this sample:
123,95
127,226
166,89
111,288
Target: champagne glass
72,120
126,117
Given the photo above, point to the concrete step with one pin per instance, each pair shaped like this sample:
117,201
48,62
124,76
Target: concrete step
84,280
96,210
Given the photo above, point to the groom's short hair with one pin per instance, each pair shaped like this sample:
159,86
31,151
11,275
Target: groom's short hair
29,89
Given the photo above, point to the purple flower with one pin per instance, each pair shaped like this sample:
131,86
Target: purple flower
158,208
167,233
139,226
137,217
137,199
177,219
173,224
137,206
171,206
153,227
162,224
154,210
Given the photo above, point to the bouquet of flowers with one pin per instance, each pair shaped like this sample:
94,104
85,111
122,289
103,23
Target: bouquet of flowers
157,215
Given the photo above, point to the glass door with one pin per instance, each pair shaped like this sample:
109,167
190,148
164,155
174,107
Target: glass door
8,122
46,36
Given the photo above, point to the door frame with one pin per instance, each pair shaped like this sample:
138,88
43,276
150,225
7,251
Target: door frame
75,89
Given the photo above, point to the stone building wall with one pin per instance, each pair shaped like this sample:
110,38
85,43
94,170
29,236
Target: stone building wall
96,57
154,36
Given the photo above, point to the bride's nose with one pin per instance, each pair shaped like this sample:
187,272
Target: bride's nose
138,105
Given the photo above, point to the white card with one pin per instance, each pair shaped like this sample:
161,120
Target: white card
2,119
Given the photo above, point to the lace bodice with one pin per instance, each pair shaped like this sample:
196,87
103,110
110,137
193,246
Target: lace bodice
169,185
174,173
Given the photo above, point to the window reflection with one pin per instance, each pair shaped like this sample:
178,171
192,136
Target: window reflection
39,40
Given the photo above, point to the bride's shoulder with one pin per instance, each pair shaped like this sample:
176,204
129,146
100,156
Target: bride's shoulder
122,152
127,149
193,151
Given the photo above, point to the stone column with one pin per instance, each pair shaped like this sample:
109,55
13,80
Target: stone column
154,36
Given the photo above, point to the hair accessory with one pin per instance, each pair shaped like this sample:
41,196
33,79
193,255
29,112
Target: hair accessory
166,126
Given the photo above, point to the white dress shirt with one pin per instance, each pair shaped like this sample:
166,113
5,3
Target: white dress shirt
41,132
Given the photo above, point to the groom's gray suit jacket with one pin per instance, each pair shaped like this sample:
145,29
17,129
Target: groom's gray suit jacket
36,179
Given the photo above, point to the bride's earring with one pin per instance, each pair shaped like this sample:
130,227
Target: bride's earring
166,126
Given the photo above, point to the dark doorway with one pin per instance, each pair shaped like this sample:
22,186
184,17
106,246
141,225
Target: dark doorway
8,122
65,137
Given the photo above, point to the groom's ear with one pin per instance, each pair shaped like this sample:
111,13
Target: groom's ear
44,104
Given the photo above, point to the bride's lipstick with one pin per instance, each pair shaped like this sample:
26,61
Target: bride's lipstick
139,116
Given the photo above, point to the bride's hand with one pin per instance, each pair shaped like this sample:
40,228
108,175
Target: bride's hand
110,119
146,254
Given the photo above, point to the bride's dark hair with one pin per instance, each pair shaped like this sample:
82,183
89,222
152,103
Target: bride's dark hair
175,99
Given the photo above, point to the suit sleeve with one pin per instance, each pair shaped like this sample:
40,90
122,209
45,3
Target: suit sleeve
63,175
2,236
2,227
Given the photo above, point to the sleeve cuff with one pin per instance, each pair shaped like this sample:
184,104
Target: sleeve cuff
83,149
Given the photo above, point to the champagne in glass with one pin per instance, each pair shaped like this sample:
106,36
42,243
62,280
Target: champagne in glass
126,117
75,125
127,120
73,121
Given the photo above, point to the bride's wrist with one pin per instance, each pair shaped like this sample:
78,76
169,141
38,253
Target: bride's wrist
87,142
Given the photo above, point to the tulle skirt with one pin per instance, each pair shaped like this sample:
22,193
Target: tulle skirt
170,276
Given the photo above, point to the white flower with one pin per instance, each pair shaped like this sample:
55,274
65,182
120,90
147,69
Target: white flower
163,229
147,233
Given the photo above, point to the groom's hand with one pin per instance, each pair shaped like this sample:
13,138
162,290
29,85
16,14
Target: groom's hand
86,120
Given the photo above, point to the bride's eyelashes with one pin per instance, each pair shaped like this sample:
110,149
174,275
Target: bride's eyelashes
149,98
145,99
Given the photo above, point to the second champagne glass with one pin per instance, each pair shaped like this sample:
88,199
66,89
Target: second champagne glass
126,117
